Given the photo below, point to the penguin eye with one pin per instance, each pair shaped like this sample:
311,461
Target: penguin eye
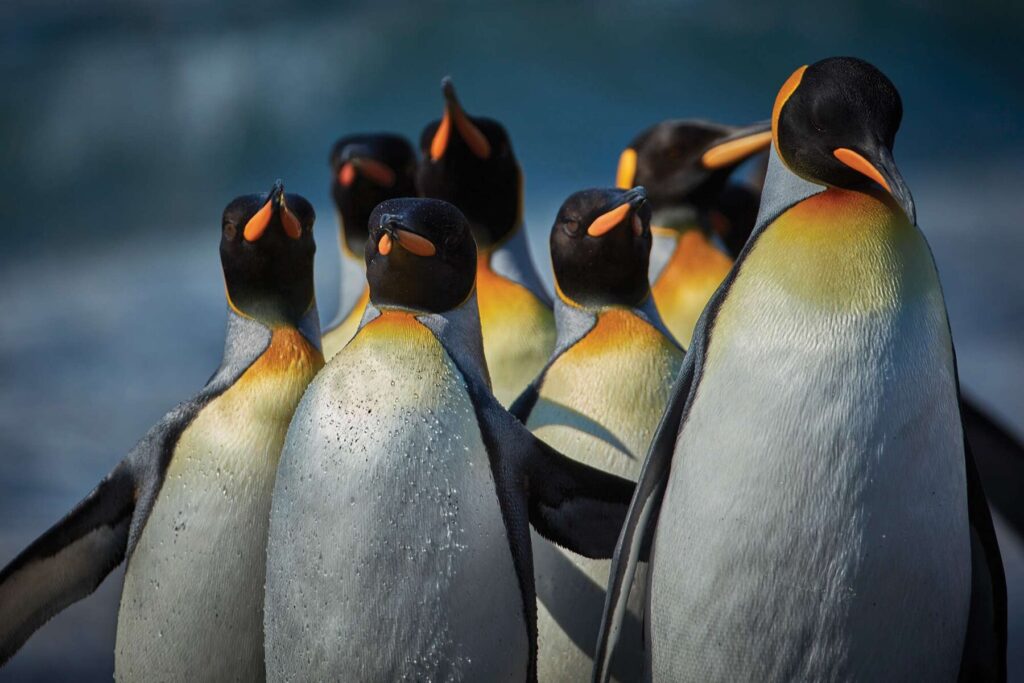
230,231
571,225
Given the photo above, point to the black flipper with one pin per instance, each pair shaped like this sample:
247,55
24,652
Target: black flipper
638,530
67,562
984,655
1000,460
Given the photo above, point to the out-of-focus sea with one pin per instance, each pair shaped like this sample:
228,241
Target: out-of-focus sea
125,127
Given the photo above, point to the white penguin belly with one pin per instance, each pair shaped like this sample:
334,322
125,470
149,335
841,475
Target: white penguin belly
600,402
388,557
815,523
192,606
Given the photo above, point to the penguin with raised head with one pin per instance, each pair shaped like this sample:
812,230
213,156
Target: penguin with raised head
685,166
366,169
600,398
189,506
813,506
468,161
399,546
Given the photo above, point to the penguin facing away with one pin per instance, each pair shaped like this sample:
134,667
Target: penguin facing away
469,161
366,169
399,545
599,397
685,166
838,531
189,506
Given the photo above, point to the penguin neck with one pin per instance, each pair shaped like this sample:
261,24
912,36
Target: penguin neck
351,281
573,321
510,259
457,330
246,339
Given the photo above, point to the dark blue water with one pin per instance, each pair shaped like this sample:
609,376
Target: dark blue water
126,127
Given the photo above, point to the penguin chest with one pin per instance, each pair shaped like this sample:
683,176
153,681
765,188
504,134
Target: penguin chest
518,331
815,524
192,600
683,287
600,401
388,556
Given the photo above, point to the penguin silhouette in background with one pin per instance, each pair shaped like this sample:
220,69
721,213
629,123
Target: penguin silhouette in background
399,546
685,166
600,398
813,506
468,161
189,506
366,169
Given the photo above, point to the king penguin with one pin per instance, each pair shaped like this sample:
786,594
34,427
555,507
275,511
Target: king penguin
399,546
685,166
366,169
814,508
599,397
469,162
189,506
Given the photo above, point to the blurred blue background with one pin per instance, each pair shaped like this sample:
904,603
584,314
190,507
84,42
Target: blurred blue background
126,126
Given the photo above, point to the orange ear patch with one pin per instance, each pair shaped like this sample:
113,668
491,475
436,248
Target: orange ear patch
440,142
626,173
785,92
607,221
861,165
257,225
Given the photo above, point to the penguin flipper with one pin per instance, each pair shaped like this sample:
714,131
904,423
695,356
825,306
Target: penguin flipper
638,530
1000,460
574,505
984,654
67,562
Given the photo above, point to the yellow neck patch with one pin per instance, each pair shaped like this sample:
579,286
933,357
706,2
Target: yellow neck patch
687,281
843,250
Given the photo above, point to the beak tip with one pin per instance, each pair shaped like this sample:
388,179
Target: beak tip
448,87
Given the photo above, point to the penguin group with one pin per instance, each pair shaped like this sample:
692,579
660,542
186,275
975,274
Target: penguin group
731,447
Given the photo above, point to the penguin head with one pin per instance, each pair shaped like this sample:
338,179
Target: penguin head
686,163
366,169
468,161
600,247
266,251
420,255
835,122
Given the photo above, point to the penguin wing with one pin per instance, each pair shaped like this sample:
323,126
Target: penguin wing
1000,460
984,654
638,529
67,562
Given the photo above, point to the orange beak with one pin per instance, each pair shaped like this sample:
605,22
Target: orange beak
454,116
260,221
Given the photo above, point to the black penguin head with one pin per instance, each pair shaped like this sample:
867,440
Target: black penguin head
685,163
600,247
266,251
366,169
468,161
420,255
835,122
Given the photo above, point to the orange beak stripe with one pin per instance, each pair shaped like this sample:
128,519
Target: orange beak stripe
416,244
290,223
377,172
475,140
347,174
257,225
861,165
734,151
607,221
626,172
384,246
